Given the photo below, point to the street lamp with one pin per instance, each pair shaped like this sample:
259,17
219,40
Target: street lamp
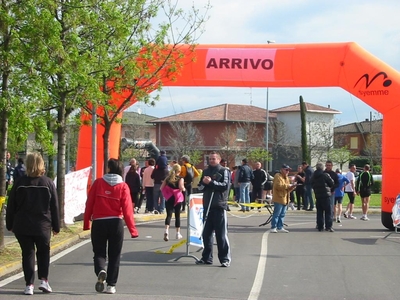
267,120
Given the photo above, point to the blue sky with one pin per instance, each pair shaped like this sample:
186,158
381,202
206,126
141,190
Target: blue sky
374,25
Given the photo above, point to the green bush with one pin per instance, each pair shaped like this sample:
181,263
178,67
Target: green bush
377,186
377,169
360,161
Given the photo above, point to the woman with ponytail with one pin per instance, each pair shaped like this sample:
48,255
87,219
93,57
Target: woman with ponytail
173,188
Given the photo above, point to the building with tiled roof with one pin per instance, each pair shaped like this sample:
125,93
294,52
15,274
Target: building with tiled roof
319,127
221,113
227,128
362,138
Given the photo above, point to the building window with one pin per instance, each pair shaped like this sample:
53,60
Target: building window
241,135
353,142
147,135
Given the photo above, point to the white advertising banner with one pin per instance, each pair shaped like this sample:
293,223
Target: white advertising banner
196,219
75,194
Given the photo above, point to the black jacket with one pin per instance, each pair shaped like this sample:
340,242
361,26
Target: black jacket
321,183
132,179
245,174
259,178
335,178
159,175
217,188
308,174
32,207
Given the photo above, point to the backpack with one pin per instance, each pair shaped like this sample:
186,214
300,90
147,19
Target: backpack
189,175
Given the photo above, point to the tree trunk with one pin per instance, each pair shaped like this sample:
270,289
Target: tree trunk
61,135
3,169
106,140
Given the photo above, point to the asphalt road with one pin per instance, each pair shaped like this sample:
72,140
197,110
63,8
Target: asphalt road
360,260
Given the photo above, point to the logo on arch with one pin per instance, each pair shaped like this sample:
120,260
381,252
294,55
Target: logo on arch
381,79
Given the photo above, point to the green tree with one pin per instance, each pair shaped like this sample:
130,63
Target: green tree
304,144
340,156
20,89
133,61
259,154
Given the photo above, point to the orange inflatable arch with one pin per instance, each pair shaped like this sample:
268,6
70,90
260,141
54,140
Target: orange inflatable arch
344,65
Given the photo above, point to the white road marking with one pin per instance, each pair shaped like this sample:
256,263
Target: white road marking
52,259
262,263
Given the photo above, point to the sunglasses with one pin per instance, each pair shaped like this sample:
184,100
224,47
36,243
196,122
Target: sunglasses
287,169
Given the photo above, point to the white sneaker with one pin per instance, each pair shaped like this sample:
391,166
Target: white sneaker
45,286
291,205
111,289
178,236
29,290
283,230
352,217
273,230
101,277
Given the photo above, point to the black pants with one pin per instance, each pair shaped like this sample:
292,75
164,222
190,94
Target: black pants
140,202
149,198
135,199
256,194
216,221
299,198
324,213
27,244
107,232
170,208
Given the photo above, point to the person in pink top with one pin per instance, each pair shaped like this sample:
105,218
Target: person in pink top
109,202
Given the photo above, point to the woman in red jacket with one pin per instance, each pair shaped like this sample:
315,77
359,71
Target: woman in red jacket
109,201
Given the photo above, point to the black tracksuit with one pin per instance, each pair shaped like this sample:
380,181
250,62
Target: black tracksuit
322,184
215,219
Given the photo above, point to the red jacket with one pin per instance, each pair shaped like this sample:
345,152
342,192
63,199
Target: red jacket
110,197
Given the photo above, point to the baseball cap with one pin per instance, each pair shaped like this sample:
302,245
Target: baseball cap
285,166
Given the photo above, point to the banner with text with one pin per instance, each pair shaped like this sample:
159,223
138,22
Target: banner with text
196,219
75,194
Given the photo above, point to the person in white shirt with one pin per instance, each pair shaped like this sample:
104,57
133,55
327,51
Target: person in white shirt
350,190
132,162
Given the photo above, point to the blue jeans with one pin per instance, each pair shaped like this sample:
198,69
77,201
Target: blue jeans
245,194
278,216
308,199
158,196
